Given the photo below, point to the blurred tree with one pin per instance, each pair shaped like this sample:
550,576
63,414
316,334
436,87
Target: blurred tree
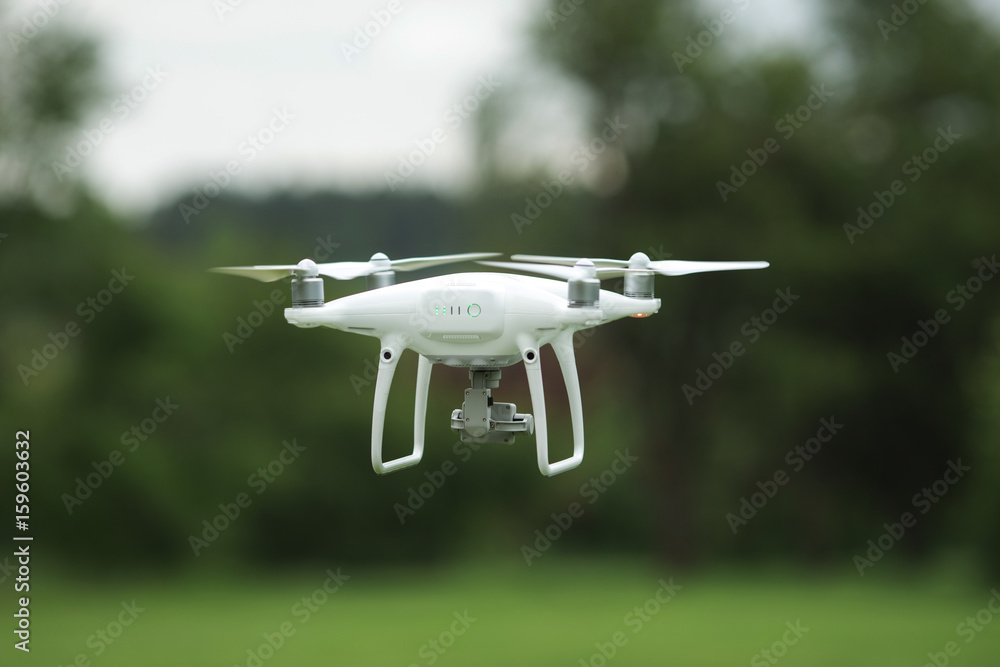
736,154
977,523
681,120
50,79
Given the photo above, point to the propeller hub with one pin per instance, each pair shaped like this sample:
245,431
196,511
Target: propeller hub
306,269
585,270
380,262
639,260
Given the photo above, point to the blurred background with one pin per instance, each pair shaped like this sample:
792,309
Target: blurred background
827,494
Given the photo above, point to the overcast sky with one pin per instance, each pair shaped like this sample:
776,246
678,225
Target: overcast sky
322,114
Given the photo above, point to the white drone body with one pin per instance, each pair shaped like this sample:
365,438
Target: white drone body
480,321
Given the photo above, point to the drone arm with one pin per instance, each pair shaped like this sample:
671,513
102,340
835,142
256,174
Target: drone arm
563,346
388,358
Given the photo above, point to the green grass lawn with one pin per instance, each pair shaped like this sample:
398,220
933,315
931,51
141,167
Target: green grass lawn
551,614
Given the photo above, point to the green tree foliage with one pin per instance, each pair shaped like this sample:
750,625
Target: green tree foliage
50,79
115,339
771,156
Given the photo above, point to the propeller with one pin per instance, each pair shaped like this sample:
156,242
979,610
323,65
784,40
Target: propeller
347,270
585,269
614,268
638,271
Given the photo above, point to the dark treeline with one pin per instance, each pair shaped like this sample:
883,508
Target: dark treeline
791,414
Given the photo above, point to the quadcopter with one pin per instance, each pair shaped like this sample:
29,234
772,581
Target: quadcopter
483,321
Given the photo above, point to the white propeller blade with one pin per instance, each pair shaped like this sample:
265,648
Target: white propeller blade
639,262
265,274
555,270
415,263
567,261
347,270
677,267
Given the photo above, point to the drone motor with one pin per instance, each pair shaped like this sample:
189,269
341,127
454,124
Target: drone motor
639,285
583,289
307,292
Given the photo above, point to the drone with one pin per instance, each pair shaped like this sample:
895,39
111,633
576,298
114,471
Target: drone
483,321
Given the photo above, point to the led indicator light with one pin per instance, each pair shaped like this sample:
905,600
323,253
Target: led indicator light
474,310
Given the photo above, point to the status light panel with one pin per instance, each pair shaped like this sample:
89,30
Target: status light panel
463,309
471,310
